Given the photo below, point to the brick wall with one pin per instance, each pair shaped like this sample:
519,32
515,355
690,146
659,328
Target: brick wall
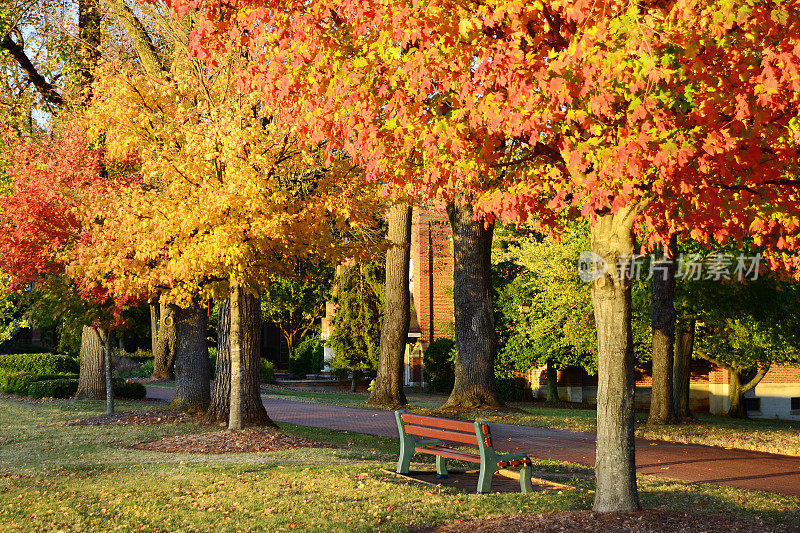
432,256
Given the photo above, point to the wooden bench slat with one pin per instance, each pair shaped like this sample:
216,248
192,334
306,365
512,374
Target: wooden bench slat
444,423
450,454
443,434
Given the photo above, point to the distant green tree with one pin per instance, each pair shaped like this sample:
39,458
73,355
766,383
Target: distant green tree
544,311
295,304
744,326
356,326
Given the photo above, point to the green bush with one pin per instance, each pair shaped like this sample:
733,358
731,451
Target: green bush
53,388
19,382
146,370
16,382
308,356
130,390
41,363
439,364
267,371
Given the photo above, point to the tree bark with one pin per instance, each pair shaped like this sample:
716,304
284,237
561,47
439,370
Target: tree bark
388,389
684,343
166,342
91,381
192,388
155,318
475,385
552,382
615,466
235,408
253,412
662,309
108,372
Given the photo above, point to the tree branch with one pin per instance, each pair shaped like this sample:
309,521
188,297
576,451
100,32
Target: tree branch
145,49
757,379
45,88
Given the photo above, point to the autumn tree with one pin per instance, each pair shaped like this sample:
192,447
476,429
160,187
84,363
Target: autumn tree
648,119
231,201
43,224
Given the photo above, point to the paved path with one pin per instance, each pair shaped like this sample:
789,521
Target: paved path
706,464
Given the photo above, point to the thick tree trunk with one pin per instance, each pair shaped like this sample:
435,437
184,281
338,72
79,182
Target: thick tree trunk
684,343
615,467
166,342
662,308
552,382
475,385
253,412
91,380
192,389
155,319
108,373
388,389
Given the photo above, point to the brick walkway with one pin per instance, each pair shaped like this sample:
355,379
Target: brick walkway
706,464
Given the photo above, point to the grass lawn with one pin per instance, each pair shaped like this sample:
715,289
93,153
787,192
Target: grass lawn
773,436
87,477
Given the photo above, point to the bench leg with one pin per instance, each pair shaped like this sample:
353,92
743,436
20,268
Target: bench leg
406,451
441,467
525,479
485,478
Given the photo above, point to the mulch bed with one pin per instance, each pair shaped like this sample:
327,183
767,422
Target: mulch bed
651,520
133,418
246,440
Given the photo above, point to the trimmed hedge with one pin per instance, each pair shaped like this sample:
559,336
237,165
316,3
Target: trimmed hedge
41,363
53,388
19,382
129,390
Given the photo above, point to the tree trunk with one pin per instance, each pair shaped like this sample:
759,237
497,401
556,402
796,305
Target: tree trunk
684,343
155,319
166,342
475,385
235,409
662,309
253,412
737,389
91,380
192,389
736,395
108,372
388,389
552,382
615,466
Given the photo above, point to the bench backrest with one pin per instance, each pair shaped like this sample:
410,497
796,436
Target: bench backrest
442,428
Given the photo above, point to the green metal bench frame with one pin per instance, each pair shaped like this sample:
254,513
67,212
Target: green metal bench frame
427,434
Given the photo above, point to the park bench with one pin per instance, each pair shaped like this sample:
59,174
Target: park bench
428,434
